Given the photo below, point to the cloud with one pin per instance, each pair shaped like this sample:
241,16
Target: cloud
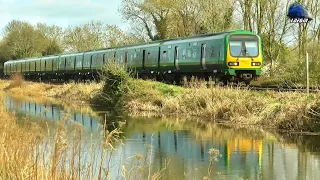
61,12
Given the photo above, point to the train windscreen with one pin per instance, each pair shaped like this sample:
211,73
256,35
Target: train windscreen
244,46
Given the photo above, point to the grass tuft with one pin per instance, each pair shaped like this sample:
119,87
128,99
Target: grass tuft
16,81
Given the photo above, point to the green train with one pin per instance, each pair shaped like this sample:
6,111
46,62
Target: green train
227,56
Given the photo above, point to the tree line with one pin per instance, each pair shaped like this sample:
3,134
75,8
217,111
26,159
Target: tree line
284,43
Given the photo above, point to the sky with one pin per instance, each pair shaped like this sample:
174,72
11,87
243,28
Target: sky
61,12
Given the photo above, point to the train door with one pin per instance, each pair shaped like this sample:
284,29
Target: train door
45,65
126,57
159,56
220,55
143,59
176,58
91,62
74,63
104,60
203,56
65,64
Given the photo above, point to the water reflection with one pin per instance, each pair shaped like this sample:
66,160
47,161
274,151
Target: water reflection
245,153
51,112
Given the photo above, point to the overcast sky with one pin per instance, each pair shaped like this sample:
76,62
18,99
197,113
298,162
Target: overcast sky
61,12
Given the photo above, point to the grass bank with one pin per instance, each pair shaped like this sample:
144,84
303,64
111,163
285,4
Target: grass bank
285,110
67,91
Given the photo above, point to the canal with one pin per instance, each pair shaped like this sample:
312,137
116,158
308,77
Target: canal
175,148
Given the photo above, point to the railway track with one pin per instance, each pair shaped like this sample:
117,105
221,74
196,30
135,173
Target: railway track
244,87
283,89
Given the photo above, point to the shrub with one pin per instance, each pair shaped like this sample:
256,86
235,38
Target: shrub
116,84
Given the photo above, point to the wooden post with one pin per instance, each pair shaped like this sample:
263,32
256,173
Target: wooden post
307,68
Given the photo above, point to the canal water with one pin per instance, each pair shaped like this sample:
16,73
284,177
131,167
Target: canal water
187,150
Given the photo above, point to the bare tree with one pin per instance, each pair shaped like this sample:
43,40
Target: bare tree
150,14
85,37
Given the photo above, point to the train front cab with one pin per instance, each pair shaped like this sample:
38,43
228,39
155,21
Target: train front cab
243,57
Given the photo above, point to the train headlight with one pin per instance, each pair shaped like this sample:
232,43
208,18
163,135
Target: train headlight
233,63
255,64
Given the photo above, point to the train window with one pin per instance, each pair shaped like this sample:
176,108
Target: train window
121,58
213,52
164,55
236,48
189,53
184,53
251,48
194,53
148,57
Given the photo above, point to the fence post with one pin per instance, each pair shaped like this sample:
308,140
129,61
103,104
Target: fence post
307,68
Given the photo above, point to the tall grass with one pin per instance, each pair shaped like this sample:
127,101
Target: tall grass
16,81
69,92
286,110
35,150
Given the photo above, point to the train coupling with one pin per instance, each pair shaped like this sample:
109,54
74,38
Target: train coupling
246,76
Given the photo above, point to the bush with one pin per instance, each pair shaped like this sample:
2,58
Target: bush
116,84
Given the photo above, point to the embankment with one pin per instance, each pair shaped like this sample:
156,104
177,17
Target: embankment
285,110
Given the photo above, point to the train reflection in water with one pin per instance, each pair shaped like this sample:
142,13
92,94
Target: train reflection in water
189,156
51,112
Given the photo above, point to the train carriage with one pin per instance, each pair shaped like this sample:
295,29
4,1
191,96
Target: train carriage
196,55
227,56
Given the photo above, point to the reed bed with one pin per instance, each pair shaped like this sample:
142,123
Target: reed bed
68,91
37,149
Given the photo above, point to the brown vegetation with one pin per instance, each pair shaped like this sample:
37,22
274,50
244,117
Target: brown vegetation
286,110
68,91
40,150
